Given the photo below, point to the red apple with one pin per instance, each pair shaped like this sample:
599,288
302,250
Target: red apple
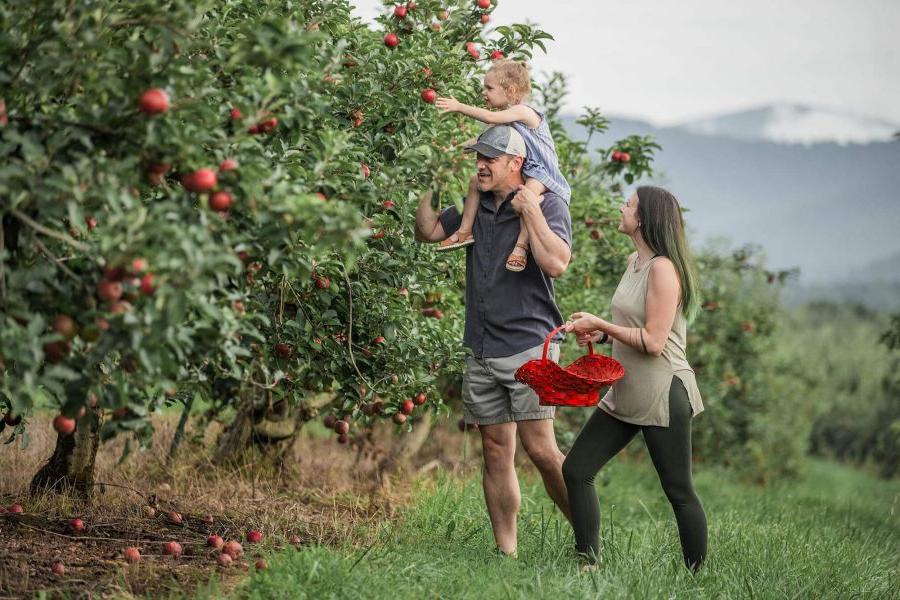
497,55
224,560
254,536
329,421
109,290
485,18
120,308
229,164
64,425
484,4
341,427
391,40
236,114
65,326
154,101
91,223
172,549
76,525
58,568
175,517
261,564
131,554
215,541
15,508
147,284
388,204
378,340
411,5
233,549
436,26
407,407
596,234
444,15
220,201
399,418
429,95
283,350
322,282
419,400
139,265
625,157
365,170
400,12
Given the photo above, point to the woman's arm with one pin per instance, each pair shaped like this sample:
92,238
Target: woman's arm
519,112
663,291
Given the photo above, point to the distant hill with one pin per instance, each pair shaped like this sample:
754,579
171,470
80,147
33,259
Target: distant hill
832,210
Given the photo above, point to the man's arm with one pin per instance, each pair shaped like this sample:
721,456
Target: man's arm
550,251
428,226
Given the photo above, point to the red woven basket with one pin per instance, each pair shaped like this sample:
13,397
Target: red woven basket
576,385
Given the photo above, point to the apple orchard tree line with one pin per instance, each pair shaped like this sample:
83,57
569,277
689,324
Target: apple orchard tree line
216,200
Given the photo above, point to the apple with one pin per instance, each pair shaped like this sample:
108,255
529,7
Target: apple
391,40
596,234
407,407
233,549
254,536
139,265
229,164
472,49
131,554
91,223
436,26
76,525
484,4
220,201
154,101
64,425
11,420
443,15
261,564
295,540
209,519
747,326
148,511
365,170
172,549
497,55
322,282
388,204
625,157
329,421
485,18
358,117
109,290
147,284
283,350
224,560
428,95
400,12
378,340
267,125
121,307
175,517
65,326
341,427
419,400
215,541
204,180
399,418
15,508
58,568
236,114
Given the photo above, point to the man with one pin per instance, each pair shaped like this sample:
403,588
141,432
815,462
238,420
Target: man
508,316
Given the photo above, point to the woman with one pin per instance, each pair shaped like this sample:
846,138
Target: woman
658,394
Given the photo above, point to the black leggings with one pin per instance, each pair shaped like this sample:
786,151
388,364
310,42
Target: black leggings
670,449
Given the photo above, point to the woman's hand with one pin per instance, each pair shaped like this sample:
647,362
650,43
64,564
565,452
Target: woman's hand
447,104
583,323
584,338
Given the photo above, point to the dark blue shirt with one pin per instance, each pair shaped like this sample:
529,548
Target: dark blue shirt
507,312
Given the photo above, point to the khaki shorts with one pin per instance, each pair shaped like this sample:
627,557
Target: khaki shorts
492,395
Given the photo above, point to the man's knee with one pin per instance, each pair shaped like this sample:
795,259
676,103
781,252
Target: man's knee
498,451
545,456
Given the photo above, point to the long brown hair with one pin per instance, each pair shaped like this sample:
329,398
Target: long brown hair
662,227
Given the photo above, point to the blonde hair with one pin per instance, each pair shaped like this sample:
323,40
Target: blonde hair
513,77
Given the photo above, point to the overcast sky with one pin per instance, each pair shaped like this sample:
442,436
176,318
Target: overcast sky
669,61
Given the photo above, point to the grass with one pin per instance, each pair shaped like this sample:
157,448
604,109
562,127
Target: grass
835,534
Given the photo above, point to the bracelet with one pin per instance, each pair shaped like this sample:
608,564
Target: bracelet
604,339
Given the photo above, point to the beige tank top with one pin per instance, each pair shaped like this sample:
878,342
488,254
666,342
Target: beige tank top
642,395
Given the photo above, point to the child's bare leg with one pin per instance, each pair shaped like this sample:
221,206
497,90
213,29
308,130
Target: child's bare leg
461,237
518,258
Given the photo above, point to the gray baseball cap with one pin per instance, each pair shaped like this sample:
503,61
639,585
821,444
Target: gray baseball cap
497,140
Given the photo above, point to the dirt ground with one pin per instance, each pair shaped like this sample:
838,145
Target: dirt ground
319,496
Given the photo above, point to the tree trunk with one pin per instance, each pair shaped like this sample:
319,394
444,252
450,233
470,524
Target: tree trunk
269,427
406,446
71,467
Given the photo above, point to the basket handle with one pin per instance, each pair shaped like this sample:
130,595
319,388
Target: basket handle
550,337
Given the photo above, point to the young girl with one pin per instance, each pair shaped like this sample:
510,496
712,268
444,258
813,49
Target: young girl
506,86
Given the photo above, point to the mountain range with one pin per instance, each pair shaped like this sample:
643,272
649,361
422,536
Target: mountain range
830,208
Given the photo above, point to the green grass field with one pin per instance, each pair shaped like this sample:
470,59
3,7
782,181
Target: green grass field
835,534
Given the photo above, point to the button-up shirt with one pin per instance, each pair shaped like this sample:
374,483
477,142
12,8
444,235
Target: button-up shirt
507,312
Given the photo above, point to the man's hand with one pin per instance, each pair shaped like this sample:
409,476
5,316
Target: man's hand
581,323
525,198
448,104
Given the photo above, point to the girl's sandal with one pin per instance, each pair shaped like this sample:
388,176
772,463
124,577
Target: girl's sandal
517,262
456,240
